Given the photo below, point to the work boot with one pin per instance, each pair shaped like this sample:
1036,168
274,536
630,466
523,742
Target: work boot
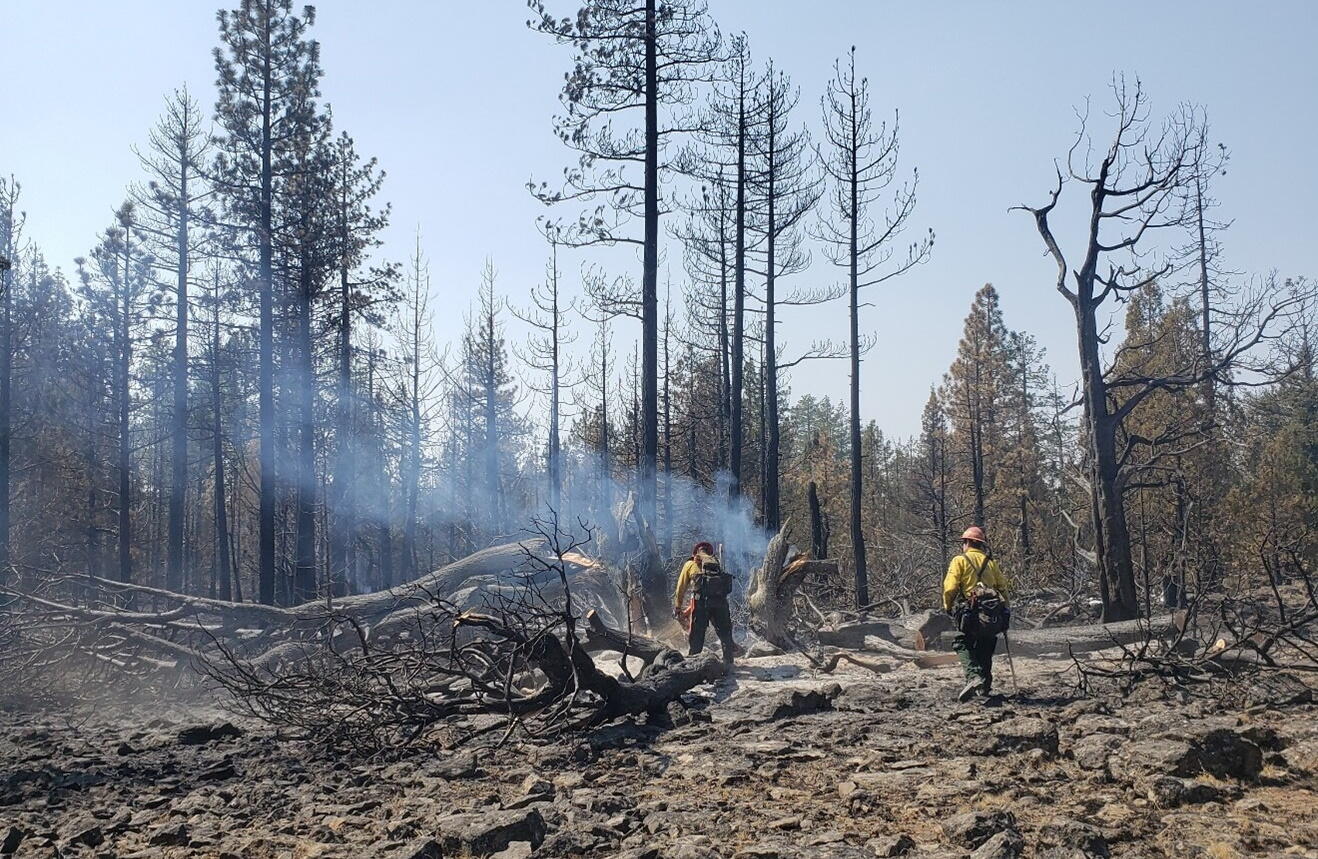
985,687
969,690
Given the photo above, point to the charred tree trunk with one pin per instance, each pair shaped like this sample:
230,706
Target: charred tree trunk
123,403
818,533
269,488
304,575
179,419
650,274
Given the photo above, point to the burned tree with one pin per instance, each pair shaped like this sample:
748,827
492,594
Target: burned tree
119,286
789,187
170,212
356,227
544,353
629,58
267,71
860,163
11,225
1136,191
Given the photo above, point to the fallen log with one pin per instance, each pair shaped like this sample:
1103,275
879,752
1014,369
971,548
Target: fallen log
600,636
1059,640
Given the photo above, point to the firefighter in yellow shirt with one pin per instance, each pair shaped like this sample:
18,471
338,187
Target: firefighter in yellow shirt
972,567
711,588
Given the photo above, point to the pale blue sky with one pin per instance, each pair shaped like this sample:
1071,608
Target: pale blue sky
456,98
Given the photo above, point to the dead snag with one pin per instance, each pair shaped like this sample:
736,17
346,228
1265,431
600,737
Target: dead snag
773,586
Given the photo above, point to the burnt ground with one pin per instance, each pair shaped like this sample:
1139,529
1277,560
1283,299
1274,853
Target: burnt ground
774,762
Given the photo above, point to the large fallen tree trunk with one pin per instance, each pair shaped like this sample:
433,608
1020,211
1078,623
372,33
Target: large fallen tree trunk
505,633
1060,640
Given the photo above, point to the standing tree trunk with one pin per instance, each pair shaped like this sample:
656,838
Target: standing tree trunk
226,577
9,200
123,403
857,532
650,275
179,423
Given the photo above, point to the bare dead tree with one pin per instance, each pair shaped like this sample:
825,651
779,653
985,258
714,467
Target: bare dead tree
544,353
1135,192
629,58
860,163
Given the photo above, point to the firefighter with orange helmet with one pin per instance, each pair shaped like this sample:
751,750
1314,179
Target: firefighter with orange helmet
975,594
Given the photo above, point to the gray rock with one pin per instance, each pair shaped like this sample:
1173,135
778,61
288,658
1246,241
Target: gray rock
1098,723
197,735
13,837
761,649
515,850
1091,752
87,834
1302,756
1072,838
171,835
488,832
1161,756
1227,754
891,845
787,705
1007,844
1023,733
1171,792
427,849
973,828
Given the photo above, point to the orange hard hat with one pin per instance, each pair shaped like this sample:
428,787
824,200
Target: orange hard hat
974,532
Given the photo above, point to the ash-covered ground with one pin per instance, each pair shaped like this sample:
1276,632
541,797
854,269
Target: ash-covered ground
775,761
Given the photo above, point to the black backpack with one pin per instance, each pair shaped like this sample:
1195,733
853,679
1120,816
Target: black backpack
985,614
711,581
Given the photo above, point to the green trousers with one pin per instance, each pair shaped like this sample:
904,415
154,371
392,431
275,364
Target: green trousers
976,655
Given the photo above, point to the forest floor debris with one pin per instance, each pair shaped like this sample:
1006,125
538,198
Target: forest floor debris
778,760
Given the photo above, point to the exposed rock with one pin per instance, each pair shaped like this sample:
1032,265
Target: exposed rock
218,771
1172,792
88,834
1162,756
1091,752
171,835
1227,754
1072,839
13,837
197,735
483,833
1303,756
427,849
762,649
1023,733
1007,844
891,845
515,850
795,702
973,828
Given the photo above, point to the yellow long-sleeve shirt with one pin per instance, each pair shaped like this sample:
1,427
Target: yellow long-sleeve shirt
684,579
961,577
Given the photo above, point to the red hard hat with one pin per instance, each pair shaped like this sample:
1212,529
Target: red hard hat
707,548
974,532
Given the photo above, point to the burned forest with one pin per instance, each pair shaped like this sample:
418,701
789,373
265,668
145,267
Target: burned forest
738,451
